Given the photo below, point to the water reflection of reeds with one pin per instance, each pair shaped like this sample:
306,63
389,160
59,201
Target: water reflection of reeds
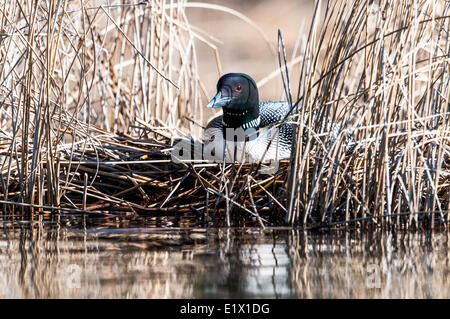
409,265
39,261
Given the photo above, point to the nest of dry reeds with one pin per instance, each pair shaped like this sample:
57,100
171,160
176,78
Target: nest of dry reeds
92,96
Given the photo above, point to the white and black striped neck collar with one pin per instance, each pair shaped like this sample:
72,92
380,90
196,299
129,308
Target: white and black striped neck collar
251,129
252,124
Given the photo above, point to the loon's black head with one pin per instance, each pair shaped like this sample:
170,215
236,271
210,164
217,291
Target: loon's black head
237,94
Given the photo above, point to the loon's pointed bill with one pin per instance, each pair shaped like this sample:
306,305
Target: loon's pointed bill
219,101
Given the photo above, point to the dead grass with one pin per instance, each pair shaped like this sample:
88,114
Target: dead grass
91,97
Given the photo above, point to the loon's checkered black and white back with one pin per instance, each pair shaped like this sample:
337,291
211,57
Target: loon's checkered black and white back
273,112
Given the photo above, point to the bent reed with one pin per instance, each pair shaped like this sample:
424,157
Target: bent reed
93,94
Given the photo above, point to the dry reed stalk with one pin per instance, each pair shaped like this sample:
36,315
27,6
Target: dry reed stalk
384,76
66,66
72,72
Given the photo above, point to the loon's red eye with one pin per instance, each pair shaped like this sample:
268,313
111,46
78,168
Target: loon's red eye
238,88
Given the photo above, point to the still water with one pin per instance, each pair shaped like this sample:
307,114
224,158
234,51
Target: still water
69,258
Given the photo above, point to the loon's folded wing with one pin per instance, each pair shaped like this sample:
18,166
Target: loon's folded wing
271,112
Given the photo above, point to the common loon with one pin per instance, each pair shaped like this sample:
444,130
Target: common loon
249,130
247,125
